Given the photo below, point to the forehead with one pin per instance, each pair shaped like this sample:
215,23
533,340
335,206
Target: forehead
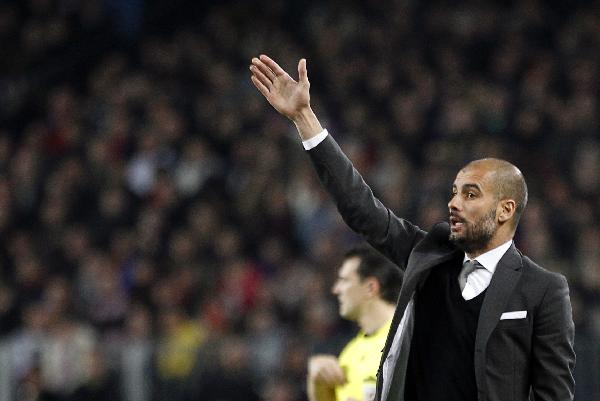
477,174
349,267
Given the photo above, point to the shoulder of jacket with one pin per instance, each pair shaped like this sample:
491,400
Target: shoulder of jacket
540,272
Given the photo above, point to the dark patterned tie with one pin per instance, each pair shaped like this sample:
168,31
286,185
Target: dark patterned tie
468,267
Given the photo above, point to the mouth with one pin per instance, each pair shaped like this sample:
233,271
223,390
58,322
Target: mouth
456,223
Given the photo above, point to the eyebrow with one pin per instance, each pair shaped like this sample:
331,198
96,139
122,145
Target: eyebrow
472,186
468,186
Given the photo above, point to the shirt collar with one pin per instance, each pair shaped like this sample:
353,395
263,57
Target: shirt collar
386,327
490,259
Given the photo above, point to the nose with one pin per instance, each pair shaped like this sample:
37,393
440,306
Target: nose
454,203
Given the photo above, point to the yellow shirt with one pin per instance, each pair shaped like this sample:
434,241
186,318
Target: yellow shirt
360,361
177,352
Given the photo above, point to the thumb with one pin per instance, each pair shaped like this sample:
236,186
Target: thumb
302,72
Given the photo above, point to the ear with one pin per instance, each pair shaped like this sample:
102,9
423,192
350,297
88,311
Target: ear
373,286
506,210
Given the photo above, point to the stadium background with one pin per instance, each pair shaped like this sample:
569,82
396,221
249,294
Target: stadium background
162,236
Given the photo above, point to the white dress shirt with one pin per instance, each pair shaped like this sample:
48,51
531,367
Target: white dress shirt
480,279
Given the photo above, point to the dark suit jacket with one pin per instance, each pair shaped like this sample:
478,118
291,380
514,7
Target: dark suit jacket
513,358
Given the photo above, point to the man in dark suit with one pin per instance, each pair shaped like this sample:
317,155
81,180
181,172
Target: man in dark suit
475,320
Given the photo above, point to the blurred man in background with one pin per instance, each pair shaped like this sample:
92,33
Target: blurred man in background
367,286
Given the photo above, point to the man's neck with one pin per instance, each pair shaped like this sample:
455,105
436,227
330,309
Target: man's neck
375,315
493,244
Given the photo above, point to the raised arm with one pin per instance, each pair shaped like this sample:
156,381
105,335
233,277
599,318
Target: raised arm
362,211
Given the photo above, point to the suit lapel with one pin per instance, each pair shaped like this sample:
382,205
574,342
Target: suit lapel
505,278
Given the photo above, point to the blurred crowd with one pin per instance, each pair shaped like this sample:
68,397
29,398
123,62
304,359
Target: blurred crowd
162,234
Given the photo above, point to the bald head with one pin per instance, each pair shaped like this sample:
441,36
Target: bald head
507,180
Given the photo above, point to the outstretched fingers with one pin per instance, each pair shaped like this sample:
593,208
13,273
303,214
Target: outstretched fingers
272,65
259,85
264,69
261,76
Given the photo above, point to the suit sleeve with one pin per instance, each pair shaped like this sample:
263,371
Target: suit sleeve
553,354
360,209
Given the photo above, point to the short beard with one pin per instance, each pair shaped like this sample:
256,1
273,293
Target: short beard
478,235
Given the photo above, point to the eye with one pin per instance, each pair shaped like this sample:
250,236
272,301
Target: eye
470,195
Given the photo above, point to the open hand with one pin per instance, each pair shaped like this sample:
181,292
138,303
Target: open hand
286,95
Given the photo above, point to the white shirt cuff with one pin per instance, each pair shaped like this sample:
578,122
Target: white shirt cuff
315,140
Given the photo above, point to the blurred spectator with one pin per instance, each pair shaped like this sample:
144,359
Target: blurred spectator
102,384
180,339
136,356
